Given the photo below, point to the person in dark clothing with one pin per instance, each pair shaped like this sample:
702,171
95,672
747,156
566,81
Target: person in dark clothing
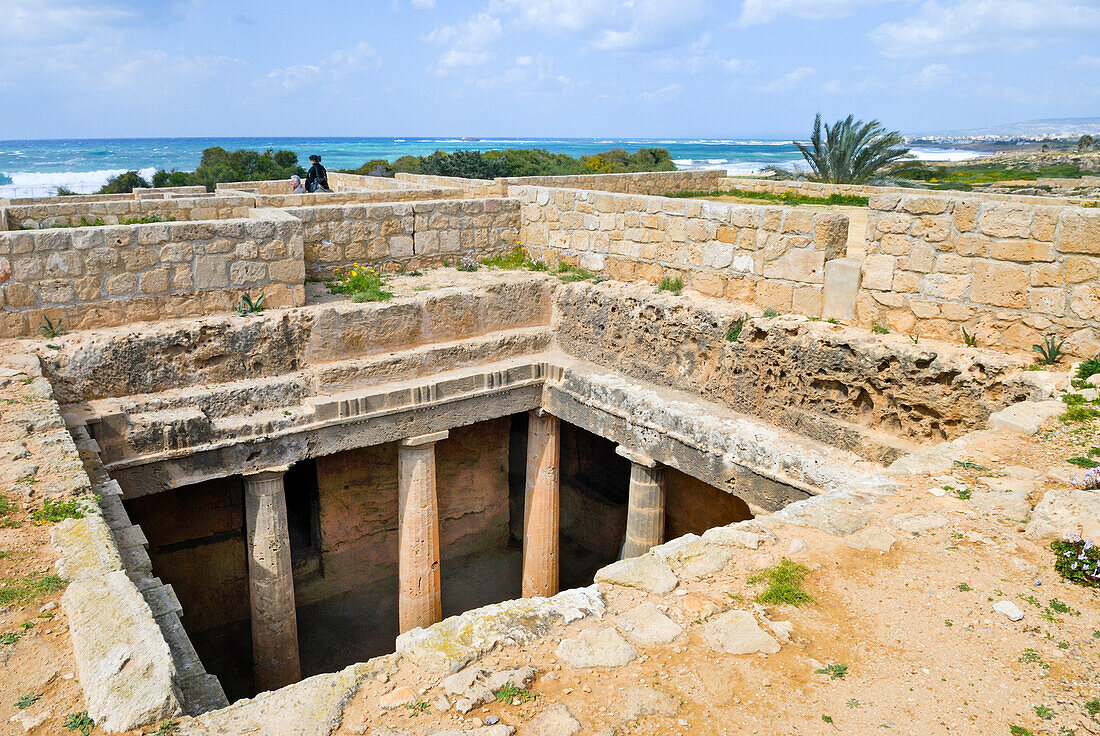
317,176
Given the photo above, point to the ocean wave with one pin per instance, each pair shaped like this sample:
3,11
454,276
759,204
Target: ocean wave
39,184
943,154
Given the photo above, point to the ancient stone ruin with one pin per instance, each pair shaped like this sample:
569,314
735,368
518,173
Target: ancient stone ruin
289,507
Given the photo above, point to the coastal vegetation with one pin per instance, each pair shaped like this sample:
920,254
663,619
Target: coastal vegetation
219,165
850,152
216,165
785,197
521,162
965,175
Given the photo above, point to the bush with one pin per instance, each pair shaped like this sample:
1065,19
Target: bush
522,162
124,183
1077,560
363,284
219,165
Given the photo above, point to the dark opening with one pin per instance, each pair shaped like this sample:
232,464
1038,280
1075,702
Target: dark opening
303,519
595,484
692,506
517,478
197,545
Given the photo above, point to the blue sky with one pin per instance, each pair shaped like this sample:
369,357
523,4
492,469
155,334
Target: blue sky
650,68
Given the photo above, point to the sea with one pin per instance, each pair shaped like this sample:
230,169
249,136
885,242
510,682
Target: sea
33,168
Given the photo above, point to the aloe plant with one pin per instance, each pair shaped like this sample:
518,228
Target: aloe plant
248,306
52,329
1050,350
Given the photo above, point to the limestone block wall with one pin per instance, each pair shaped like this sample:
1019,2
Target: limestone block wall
361,196
153,193
648,182
60,212
773,255
406,235
471,187
1010,272
104,276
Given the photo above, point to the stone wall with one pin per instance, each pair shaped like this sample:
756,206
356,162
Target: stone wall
471,187
649,182
773,255
103,276
1009,272
62,213
411,235
869,394
153,193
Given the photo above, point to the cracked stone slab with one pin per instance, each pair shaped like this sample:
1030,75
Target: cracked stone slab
476,685
1066,512
596,648
312,707
639,701
644,573
554,721
647,626
454,642
873,537
1027,417
737,632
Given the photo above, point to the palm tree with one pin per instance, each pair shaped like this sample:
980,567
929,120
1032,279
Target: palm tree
851,152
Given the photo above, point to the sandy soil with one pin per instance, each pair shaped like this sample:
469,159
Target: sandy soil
40,659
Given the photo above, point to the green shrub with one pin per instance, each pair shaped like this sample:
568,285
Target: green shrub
784,584
735,330
1078,561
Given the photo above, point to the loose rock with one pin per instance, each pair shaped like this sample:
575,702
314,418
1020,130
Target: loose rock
554,721
736,632
644,573
647,626
597,648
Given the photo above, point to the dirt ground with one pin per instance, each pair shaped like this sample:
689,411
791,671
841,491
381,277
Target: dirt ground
925,652
36,657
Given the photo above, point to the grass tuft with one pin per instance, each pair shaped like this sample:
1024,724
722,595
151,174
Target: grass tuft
784,584
29,588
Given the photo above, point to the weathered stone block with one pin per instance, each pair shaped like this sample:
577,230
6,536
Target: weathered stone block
1000,284
1022,250
922,205
805,265
211,273
1080,231
1006,221
878,272
1085,301
842,282
1079,269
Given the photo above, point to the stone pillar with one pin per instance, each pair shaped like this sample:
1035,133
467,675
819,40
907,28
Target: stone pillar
540,506
270,582
419,602
645,516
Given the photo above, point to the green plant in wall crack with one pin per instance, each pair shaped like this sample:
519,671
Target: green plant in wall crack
671,285
1050,350
26,701
970,340
247,305
734,331
52,329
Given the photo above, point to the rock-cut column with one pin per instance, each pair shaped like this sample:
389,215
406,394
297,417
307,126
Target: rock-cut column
270,582
645,515
540,506
419,602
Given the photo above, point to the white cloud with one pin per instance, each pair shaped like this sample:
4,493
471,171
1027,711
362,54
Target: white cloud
662,94
968,26
471,43
764,11
340,64
423,4
1085,61
789,81
607,25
